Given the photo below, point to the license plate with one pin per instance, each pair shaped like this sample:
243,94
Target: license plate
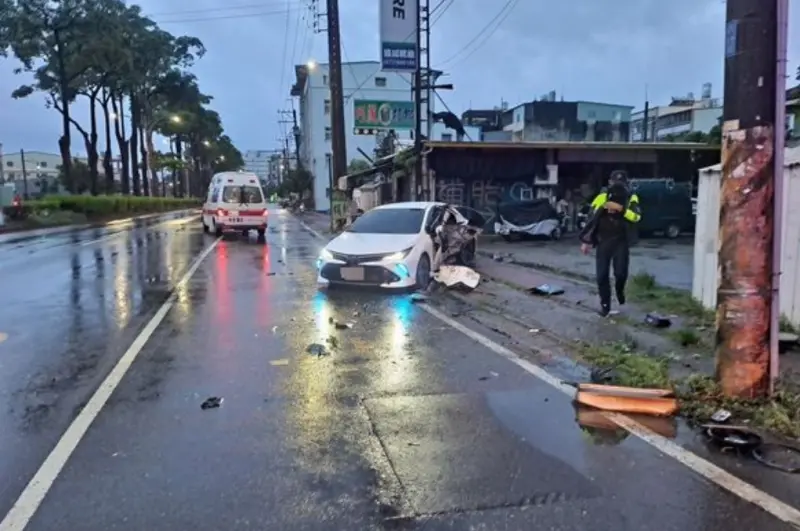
234,220
353,274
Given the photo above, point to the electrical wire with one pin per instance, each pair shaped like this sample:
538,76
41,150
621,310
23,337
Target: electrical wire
261,5
504,12
442,12
226,17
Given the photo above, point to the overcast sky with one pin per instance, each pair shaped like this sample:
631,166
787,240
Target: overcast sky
599,50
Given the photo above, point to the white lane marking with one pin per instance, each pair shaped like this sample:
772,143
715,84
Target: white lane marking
708,470
312,231
694,462
177,222
32,496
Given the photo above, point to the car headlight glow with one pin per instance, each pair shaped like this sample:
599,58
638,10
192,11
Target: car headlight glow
394,257
325,255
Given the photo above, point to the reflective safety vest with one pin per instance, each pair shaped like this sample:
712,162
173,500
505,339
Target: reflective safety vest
632,210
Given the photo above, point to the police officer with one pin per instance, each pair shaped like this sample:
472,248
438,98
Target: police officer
611,231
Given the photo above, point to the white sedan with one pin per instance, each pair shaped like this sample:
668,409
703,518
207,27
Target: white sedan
390,246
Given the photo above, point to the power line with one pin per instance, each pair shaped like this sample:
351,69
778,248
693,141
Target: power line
271,4
442,12
225,17
504,11
285,47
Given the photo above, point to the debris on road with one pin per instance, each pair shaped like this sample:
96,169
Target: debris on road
339,325
602,427
280,363
546,290
657,321
747,443
721,415
211,403
315,349
418,297
619,399
456,276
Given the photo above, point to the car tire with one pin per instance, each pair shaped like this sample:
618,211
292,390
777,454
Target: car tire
261,232
467,256
672,231
422,275
556,234
217,230
205,227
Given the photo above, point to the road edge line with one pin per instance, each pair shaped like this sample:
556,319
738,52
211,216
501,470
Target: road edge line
697,464
34,493
708,470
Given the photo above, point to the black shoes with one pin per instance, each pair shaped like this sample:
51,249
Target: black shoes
605,309
621,298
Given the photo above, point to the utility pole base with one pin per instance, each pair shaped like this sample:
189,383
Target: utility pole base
745,261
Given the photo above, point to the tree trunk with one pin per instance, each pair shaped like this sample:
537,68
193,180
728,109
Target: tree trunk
153,173
134,145
197,179
181,188
65,141
119,131
146,187
108,168
91,148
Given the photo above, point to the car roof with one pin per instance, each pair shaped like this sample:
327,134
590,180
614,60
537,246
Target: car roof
236,175
410,205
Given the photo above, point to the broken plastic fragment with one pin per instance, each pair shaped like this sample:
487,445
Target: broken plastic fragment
315,349
657,321
547,290
211,403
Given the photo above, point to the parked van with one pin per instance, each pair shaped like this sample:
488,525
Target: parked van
667,207
234,202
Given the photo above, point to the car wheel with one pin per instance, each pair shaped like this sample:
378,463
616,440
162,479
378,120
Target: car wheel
556,234
217,230
205,227
423,274
261,233
673,231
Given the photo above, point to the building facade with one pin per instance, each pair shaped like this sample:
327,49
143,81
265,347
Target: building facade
372,99
549,120
257,161
681,116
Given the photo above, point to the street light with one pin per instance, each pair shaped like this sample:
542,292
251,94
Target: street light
311,64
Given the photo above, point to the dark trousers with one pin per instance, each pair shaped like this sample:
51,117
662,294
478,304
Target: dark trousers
616,252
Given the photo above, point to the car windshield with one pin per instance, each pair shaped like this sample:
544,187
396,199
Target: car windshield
241,194
389,221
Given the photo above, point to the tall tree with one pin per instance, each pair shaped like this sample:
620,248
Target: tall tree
44,35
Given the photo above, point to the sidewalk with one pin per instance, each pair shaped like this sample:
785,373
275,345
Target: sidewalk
669,261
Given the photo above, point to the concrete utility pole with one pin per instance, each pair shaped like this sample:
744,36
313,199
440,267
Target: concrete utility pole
750,201
338,140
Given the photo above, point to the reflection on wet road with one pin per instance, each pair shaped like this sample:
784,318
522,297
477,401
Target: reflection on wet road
401,423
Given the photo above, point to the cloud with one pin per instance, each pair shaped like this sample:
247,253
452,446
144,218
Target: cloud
584,49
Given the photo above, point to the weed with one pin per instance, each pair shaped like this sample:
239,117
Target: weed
701,396
686,337
631,368
644,289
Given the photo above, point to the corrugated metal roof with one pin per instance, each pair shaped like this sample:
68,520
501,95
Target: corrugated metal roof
570,145
791,158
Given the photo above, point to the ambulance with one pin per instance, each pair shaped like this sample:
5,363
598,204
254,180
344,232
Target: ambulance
235,202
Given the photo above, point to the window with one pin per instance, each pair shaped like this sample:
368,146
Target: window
241,194
327,105
447,137
380,81
10,163
325,80
327,133
11,176
42,164
389,221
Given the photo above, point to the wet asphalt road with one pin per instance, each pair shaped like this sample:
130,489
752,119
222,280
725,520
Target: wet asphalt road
406,424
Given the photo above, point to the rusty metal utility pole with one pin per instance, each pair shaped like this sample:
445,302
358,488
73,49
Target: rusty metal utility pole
338,139
747,199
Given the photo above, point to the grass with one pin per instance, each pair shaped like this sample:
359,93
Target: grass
644,289
699,395
686,337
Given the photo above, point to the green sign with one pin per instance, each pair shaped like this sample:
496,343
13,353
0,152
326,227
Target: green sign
380,114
